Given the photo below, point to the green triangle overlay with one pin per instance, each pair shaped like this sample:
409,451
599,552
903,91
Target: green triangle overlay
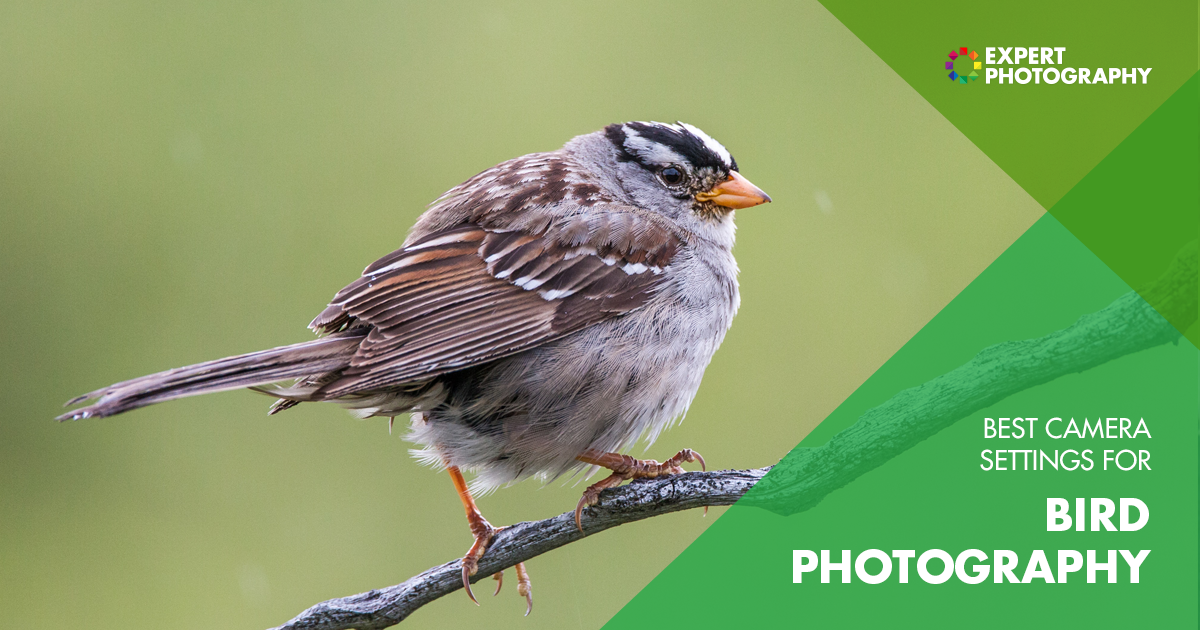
1046,137
1140,206
934,495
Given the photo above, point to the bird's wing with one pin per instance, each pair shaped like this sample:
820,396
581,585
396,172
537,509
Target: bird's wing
472,293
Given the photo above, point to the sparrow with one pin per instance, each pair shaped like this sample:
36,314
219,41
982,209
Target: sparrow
539,318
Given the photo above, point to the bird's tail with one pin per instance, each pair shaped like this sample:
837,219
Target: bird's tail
310,358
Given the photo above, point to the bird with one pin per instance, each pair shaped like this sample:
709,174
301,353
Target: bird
539,318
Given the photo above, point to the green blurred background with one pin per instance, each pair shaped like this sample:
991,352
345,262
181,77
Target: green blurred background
184,181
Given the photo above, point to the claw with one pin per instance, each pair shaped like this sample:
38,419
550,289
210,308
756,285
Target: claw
484,533
524,587
499,577
466,573
591,496
579,512
703,468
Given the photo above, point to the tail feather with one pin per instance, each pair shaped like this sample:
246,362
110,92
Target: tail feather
310,358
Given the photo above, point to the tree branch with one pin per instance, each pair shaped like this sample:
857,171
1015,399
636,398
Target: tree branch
807,475
639,499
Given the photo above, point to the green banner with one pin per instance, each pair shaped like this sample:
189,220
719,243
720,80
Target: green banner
1030,456
1124,429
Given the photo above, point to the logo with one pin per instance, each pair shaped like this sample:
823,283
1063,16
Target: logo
1037,65
962,65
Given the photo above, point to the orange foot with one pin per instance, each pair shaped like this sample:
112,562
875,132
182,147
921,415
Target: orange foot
484,532
625,468
524,586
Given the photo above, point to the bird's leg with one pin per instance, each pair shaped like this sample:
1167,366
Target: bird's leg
484,532
624,468
481,529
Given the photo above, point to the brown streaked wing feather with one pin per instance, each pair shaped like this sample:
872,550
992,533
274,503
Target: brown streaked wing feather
467,295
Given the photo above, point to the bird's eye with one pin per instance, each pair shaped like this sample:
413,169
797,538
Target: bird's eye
671,175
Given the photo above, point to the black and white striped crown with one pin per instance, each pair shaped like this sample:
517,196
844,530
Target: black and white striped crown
654,144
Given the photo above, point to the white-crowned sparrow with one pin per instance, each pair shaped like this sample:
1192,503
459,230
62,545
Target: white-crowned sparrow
541,316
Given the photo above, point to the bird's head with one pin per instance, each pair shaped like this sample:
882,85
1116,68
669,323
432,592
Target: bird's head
679,170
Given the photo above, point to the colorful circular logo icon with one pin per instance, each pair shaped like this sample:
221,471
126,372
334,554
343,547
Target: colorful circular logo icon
963,65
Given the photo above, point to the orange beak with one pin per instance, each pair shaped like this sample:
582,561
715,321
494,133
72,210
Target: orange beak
736,192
